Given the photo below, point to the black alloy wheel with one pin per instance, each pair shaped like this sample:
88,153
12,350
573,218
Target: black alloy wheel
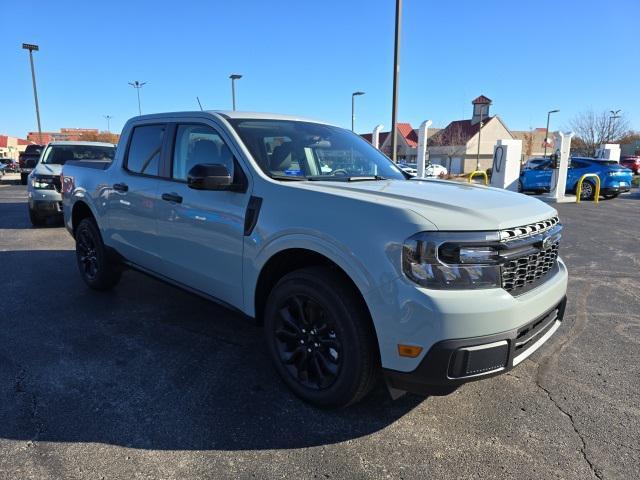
96,269
320,337
87,255
307,342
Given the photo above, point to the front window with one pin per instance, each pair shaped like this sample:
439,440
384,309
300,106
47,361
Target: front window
60,154
293,150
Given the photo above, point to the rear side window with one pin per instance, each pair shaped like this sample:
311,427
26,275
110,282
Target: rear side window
144,149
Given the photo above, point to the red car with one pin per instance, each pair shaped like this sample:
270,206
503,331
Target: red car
631,162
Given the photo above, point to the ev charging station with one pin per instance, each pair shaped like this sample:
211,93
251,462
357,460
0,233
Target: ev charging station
609,151
505,171
422,147
559,172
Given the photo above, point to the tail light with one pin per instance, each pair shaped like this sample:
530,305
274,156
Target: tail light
67,184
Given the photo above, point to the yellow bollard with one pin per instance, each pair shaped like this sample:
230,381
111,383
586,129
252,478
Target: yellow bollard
596,197
479,172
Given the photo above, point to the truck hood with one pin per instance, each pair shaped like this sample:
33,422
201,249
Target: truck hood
448,205
48,169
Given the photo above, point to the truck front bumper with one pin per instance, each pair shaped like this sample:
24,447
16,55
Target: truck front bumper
450,363
45,202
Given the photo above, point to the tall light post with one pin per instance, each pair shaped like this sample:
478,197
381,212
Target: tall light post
353,108
108,118
396,72
546,135
138,85
31,47
234,77
613,116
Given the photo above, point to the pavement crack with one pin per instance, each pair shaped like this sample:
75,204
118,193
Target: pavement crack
583,446
21,389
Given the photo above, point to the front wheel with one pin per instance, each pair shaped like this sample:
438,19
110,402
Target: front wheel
520,188
96,269
320,337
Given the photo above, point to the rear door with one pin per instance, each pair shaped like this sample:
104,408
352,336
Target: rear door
133,198
201,232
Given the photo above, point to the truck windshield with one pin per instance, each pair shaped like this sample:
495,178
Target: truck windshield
60,154
294,150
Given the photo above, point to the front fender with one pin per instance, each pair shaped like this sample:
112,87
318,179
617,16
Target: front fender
257,255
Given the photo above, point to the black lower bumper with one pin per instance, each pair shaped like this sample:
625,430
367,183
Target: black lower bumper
451,363
46,207
614,190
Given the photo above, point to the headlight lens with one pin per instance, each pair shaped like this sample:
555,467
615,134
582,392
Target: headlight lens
41,182
452,260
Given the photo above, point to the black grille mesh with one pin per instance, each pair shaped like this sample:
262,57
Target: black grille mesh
522,271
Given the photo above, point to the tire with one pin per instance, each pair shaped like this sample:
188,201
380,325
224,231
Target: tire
588,191
36,220
520,189
320,338
96,269
23,178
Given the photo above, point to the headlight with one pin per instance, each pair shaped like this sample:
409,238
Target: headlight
452,260
41,182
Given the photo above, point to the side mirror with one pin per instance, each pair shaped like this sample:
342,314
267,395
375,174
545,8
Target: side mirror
208,176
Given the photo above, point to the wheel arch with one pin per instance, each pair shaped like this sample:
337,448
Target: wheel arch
79,212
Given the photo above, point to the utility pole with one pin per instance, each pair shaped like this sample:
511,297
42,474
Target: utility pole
108,117
138,85
353,108
31,47
396,72
234,77
546,135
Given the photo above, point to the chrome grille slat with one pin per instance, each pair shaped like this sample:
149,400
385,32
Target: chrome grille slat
528,230
520,272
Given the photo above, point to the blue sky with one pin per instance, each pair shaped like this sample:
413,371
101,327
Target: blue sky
306,57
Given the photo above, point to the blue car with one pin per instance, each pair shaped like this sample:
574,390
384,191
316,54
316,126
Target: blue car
614,179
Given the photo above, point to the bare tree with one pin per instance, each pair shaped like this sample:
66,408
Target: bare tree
450,142
592,129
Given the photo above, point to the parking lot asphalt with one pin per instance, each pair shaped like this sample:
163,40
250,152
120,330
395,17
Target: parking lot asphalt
148,381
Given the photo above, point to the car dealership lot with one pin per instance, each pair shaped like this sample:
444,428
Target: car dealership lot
148,381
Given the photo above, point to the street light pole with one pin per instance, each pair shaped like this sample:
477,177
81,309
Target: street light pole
234,77
546,135
31,48
396,72
138,85
613,116
108,117
353,108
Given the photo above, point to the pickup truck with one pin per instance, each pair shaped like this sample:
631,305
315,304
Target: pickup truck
355,271
27,161
44,189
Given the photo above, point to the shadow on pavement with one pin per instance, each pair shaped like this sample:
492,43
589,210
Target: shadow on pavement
148,366
15,216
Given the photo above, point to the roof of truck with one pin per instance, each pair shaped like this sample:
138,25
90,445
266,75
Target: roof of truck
97,144
229,114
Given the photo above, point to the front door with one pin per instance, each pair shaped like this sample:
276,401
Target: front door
133,198
201,232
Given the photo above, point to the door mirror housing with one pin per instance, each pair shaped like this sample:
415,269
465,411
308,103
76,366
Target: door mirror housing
210,176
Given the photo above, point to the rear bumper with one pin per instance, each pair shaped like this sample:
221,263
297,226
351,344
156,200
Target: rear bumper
451,363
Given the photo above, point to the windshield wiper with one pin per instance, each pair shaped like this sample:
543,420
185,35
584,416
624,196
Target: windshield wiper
345,178
287,177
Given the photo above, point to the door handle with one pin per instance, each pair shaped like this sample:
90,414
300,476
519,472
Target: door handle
172,197
121,187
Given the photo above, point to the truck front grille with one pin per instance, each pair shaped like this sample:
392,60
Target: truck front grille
521,272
